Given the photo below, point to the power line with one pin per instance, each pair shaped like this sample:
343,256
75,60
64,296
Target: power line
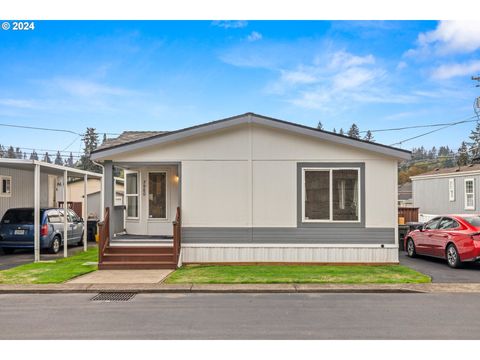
51,129
422,126
432,131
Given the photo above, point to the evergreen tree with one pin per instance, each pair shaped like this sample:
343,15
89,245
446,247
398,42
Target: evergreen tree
463,157
334,130
2,151
18,153
474,146
354,132
69,161
320,125
104,138
90,141
34,155
46,158
11,153
341,132
58,159
24,155
369,136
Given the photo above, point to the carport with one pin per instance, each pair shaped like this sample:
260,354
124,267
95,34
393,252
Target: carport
38,168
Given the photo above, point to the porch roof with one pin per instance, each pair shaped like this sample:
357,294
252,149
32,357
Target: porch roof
134,141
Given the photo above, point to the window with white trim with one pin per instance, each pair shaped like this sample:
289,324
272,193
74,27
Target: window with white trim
132,195
331,195
5,186
469,194
451,189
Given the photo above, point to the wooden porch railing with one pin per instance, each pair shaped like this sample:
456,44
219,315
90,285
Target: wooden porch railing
104,235
177,235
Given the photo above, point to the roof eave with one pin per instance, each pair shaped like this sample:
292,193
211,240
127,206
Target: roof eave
104,154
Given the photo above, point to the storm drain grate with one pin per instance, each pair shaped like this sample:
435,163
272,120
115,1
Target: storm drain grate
113,296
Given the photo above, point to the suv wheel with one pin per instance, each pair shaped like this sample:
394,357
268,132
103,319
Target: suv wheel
55,245
453,259
411,252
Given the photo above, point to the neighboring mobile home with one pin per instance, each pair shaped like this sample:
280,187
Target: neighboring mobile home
447,191
255,189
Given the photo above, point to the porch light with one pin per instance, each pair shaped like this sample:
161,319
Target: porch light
176,178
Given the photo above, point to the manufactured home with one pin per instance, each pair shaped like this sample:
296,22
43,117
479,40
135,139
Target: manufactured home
250,189
447,191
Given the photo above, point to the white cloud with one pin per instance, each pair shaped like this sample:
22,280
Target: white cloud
230,24
85,88
18,103
254,36
402,65
343,59
336,81
450,37
448,71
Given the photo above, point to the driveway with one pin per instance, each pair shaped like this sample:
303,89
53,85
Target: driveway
439,271
21,257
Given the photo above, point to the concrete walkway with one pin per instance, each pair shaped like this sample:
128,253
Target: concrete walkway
240,288
122,277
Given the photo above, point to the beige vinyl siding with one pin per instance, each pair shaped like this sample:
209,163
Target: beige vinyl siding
22,190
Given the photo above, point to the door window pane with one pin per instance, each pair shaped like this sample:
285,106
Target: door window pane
132,184
157,195
317,195
132,206
132,195
345,195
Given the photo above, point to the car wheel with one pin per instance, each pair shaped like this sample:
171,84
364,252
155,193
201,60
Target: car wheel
8,251
453,259
55,245
411,252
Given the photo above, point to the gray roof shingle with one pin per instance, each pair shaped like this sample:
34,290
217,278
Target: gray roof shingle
128,137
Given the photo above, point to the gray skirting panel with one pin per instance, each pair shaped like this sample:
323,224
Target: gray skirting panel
210,235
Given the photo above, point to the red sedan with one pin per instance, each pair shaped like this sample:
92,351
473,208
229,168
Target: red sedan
455,238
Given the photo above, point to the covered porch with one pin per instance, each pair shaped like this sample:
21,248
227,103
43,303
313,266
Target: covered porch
145,232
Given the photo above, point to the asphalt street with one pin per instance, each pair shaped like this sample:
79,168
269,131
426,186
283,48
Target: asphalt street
242,316
439,271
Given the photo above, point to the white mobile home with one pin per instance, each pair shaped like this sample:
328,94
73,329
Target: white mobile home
256,189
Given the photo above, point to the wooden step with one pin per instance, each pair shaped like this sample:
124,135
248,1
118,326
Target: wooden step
130,265
139,250
137,257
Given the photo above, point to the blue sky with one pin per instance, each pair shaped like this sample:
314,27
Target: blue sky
164,75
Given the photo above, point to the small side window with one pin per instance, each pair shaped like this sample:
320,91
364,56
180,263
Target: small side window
451,189
5,186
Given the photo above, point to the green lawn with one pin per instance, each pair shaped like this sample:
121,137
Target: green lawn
57,271
272,274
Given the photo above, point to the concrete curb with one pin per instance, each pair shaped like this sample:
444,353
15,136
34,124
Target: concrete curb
239,288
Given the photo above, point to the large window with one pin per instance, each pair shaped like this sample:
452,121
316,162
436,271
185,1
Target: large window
157,195
5,186
331,195
132,195
469,194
